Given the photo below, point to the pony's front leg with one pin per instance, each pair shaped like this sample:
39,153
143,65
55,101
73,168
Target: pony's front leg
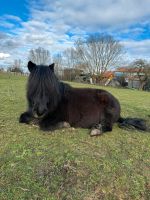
52,122
26,117
47,125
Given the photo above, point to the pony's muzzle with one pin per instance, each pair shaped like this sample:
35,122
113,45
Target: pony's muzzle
39,113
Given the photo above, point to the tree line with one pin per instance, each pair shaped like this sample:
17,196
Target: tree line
94,54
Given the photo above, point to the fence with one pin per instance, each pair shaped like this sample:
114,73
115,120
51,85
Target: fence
15,73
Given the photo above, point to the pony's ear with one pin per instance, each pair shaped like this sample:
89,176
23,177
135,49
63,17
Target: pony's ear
31,66
52,67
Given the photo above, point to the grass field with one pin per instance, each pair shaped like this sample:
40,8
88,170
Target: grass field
69,164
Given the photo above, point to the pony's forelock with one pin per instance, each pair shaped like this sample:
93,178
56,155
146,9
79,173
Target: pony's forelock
43,82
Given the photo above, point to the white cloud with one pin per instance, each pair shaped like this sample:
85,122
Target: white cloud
137,49
94,14
12,17
9,21
50,21
4,55
7,24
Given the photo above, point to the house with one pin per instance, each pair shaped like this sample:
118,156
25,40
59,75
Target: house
132,76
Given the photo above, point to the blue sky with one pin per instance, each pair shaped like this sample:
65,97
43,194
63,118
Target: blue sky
15,8
56,24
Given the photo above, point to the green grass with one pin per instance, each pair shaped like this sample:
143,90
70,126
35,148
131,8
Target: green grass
69,164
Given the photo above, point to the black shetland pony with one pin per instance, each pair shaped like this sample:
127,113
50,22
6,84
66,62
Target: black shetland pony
56,104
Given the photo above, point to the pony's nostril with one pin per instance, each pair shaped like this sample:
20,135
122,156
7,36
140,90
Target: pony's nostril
41,112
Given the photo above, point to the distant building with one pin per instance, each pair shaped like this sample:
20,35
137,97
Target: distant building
131,75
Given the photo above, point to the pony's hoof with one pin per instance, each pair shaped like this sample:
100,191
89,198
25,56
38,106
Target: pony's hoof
63,125
66,125
95,132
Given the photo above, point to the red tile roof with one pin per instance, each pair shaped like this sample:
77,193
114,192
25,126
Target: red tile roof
108,74
128,70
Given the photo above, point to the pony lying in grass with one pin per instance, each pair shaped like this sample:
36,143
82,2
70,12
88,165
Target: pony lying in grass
56,104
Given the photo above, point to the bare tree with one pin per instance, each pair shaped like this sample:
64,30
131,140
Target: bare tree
70,57
16,67
70,61
17,63
40,56
1,69
99,52
82,66
58,60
